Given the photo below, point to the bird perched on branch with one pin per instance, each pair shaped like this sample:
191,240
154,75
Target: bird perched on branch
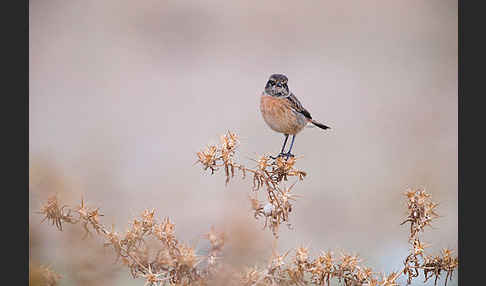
283,112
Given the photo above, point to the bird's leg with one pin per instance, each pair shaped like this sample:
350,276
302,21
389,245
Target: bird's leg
289,154
285,143
283,148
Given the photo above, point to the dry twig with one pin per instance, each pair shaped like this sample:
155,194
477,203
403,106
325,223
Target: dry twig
175,263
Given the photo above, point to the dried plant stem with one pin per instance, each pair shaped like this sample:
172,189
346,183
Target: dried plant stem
177,264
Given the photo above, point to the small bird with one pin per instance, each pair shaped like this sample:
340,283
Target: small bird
283,112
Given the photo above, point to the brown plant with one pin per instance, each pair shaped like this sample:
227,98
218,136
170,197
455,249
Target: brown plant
421,212
41,275
171,262
268,174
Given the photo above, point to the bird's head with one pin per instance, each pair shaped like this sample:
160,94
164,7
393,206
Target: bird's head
277,85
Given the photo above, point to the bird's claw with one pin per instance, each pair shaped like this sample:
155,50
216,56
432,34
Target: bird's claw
286,155
275,157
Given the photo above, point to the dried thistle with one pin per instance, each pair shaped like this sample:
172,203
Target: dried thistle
268,174
54,213
42,275
421,212
176,263
167,261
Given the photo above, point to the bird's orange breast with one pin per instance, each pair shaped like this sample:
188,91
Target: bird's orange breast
279,115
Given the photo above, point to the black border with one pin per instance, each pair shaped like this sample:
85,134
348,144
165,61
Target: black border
23,130
471,143
15,80
15,134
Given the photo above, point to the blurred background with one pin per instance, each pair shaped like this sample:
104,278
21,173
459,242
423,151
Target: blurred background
124,93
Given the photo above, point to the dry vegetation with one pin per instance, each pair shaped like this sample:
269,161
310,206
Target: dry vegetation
152,252
42,275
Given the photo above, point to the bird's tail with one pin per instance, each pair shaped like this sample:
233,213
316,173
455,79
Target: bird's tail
320,125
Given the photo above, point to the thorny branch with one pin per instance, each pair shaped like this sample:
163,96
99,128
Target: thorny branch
267,174
176,263
172,263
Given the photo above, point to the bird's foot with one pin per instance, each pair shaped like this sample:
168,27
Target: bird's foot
279,155
286,155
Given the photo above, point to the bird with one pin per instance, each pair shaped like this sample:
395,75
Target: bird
283,112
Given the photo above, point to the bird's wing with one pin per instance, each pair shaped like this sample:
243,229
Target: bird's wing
297,106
